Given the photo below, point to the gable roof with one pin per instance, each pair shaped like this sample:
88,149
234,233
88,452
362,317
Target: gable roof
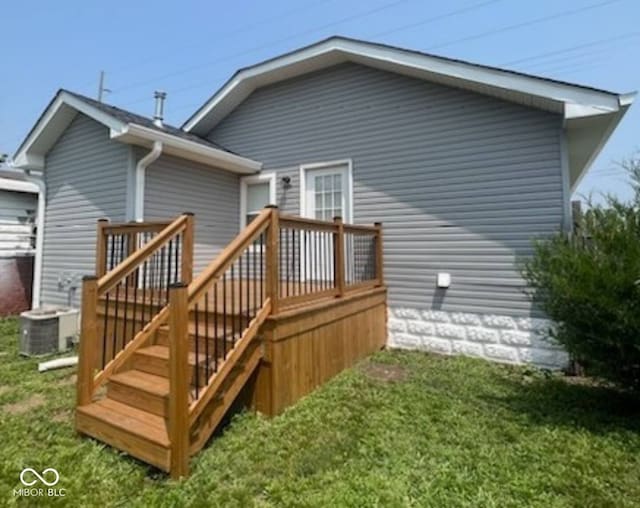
125,126
590,114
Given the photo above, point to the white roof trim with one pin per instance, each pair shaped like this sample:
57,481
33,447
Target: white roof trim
9,184
191,150
598,110
337,50
60,113
56,118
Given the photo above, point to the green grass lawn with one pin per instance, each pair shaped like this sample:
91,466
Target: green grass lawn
401,429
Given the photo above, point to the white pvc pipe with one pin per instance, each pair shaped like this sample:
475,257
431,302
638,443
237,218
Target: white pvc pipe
58,363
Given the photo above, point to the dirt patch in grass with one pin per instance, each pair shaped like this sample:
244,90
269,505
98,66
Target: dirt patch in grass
385,372
68,381
23,406
62,416
4,389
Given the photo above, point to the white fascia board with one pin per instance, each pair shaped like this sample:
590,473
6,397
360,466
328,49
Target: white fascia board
137,134
626,99
51,125
335,50
10,184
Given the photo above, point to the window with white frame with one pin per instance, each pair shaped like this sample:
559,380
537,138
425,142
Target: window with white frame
256,192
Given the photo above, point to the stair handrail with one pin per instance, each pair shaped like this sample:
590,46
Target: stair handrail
128,265
185,300
93,288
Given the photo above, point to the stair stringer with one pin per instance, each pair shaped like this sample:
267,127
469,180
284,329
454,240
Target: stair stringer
234,381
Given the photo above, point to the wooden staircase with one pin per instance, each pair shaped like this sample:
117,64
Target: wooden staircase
133,416
174,353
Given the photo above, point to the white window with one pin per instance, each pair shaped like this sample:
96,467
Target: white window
256,192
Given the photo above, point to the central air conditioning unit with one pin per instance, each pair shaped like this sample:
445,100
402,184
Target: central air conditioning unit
48,330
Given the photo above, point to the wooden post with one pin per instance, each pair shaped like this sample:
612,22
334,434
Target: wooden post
179,380
272,276
338,256
101,248
187,249
379,254
88,340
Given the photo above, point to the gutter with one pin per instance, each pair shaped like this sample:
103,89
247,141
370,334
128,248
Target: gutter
141,168
37,263
135,134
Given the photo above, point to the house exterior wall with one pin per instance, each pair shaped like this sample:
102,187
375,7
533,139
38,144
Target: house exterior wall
17,213
86,180
174,186
461,182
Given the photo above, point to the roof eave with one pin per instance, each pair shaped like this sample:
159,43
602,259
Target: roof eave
594,132
63,108
335,50
172,145
56,117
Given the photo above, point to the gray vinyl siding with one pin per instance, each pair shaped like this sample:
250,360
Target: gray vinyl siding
85,176
174,186
461,181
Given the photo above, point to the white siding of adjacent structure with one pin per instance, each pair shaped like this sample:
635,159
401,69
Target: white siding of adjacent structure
174,186
86,179
17,214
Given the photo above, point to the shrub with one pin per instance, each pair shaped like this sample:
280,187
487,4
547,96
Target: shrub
589,284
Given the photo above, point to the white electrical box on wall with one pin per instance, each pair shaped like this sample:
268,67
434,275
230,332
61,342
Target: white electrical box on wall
443,280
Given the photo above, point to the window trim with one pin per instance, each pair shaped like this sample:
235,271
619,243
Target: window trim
348,192
245,181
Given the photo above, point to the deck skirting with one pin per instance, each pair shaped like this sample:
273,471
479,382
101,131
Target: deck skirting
305,347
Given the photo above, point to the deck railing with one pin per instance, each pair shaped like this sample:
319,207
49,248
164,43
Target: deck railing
276,262
120,308
319,259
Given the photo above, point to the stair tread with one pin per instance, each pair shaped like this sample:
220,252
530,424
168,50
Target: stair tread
221,330
151,383
162,352
124,417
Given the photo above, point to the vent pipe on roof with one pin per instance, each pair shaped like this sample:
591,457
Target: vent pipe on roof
158,116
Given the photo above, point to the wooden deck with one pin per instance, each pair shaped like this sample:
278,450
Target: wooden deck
176,352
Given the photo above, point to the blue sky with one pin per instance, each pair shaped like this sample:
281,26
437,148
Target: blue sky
189,48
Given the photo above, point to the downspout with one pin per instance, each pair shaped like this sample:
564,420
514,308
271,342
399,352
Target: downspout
141,168
37,262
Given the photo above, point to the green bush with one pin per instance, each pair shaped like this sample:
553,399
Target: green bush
589,284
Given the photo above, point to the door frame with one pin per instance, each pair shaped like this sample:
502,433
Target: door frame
348,192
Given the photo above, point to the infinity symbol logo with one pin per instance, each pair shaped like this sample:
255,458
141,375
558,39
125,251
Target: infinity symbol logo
39,477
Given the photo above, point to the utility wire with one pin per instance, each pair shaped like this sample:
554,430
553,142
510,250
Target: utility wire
572,48
263,46
436,18
524,24
242,29
423,22
219,36
404,27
